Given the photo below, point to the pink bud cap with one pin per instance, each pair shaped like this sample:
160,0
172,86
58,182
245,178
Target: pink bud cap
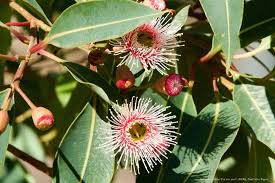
4,120
42,118
174,84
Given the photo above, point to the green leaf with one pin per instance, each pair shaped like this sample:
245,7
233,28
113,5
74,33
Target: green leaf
64,88
93,21
15,173
78,158
79,98
28,141
155,97
34,7
257,105
180,18
201,146
81,1
225,18
258,20
183,106
5,137
259,164
93,80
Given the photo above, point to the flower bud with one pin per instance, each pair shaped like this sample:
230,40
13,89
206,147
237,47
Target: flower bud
155,4
170,85
124,77
42,118
4,120
95,57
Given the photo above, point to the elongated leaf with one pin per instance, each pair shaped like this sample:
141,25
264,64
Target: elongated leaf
93,80
180,19
183,106
28,141
5,137
15,173
78,158
98,20
257,104
259,163
80,1
225,18
200,148
64,88
34,7
258,20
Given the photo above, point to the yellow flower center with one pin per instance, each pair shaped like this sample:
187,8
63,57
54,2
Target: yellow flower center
145,39
138,131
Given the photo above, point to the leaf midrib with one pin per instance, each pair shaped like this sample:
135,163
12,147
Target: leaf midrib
214,124
257,107
228,35
90,142
58,35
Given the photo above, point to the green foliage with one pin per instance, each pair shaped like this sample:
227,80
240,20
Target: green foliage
91,164
258,20
5,137
34,7
92,80
226,120
257,104
98,20
225,18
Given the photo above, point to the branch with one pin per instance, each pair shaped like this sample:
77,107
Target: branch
29,17
18,24
9,58
32,161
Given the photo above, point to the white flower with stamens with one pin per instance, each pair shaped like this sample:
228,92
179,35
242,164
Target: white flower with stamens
152,45
140,131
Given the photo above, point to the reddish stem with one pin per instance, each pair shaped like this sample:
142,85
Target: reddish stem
9,58
20,36
37,47
215,85
234,68
18,24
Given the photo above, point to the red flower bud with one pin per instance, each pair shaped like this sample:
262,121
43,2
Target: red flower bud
170,85
155,4
4,120
124,77
42,118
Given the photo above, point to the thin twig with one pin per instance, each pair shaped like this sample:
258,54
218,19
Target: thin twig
50,55
215,84
9,58
18,24
29,159
24,96
29,17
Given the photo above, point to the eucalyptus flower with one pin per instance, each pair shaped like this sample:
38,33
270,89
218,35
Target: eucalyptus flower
140,131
